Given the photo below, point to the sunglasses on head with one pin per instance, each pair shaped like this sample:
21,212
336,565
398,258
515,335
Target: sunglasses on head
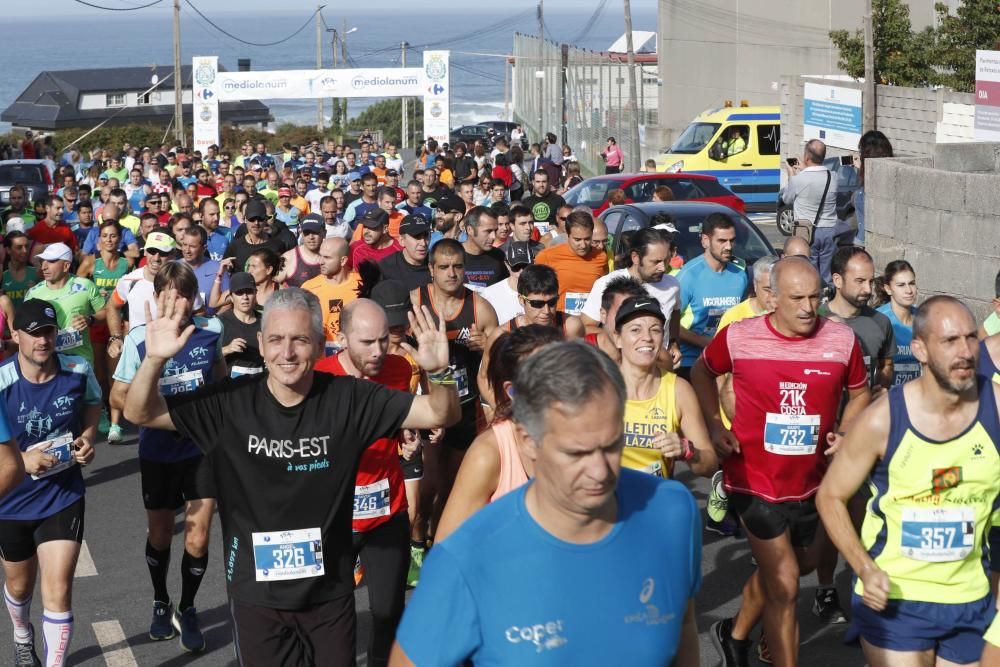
538,304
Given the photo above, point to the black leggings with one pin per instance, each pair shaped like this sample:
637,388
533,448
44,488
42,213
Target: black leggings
385,555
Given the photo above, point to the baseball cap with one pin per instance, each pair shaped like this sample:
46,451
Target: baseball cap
15,224
638,305
56,251
255,210
34,314
241,281
375,218
160,241
391,172
312,223
520,252
284,192
353,176
451,204
394,298
414,225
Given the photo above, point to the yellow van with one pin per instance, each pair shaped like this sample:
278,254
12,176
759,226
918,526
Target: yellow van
741,146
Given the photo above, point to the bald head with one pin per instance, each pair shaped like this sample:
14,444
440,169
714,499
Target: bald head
110,212
815,152
363,312
940,312
794,271
795,246
364,334
332,256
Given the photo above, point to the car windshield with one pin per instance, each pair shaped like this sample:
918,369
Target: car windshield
695,138
21,173
592,192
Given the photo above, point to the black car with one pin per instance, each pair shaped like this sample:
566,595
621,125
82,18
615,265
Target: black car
469,134
34,175
623,221
504,128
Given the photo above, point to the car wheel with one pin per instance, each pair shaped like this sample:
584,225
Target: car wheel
786,220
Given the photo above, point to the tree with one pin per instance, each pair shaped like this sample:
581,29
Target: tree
386,115
902,57
975,25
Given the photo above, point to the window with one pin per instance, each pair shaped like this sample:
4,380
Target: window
143,99
769,139
641,191
114,100
733,140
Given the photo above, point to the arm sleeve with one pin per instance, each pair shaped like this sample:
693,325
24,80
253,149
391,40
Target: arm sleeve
857,372
129,362
430,637
120,295
5,433
96,300
592,306
92,388
90,243
378,412
717,356
200,415
788,196
686,291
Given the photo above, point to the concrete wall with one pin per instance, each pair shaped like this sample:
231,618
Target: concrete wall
941,213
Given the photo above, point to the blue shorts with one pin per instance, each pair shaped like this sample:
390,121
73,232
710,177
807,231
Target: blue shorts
954,631
994,542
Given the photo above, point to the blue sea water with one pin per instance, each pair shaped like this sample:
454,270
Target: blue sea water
109,39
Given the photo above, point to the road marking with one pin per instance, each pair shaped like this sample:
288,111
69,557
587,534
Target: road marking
85,563
108,634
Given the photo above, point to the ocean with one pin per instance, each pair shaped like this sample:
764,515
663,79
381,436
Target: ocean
477,40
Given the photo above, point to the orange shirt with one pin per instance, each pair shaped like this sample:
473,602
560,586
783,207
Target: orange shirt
301,204
577,275
332,299
395,219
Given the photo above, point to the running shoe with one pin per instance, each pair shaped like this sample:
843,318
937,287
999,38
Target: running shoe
162,628
359,571
718,503
727,527
735,653
24,652
114,434
416,562
186,624
105,424
763,652
826,607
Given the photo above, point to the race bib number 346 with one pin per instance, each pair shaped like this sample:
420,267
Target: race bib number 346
288,554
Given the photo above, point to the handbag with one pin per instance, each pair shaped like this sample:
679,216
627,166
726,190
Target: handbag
806,229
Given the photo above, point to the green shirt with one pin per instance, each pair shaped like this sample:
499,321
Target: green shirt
16,289
107,279
79,296
992,324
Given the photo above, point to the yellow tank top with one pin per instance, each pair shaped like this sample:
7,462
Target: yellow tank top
643,420
932,505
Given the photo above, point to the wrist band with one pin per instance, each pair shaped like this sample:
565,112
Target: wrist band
688,450
121,338
443,377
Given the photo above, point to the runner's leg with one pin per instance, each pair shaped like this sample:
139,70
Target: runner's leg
779,572
385,556
882,657
57,561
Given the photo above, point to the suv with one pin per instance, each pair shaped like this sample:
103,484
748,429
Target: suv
469,134
593,192
34,175
504,128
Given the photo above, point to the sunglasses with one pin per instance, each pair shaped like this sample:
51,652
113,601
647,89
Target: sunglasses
230,208
520,267
156,252
538,304
243,292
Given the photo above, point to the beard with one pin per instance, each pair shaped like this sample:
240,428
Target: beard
943,379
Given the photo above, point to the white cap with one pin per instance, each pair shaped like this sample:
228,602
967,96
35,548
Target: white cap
56,251
15,224
666,227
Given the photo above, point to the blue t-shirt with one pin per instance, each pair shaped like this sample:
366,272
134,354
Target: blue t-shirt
94,235
523,597
35,413
423,211
205,273
186,371
905,366
218,241
705,297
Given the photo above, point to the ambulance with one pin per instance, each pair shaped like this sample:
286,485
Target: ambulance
740,146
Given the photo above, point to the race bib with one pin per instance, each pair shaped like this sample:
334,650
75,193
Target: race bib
462,380
60,448
655,468
371,500
288,554
712,322
791,435
181,383
67,339
237,371
938,535
575,301
906,372
542,227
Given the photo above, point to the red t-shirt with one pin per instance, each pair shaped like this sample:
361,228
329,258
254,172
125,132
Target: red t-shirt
204,190
379,491
61,233
788,393
361,252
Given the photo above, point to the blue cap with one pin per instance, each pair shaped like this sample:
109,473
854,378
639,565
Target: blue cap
353,176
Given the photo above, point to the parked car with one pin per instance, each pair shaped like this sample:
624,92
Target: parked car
34,175
638,188
846,181
469,134
623,221
504,128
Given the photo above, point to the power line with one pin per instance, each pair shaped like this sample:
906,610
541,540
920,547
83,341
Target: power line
119,9
243,41
591,22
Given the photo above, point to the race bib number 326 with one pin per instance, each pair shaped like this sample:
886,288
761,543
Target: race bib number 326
288,554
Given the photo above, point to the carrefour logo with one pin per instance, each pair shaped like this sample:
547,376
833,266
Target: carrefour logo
361,82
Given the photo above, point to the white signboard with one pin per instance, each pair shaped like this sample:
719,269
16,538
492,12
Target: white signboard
313,83
437,108
205,101
833,115
987,123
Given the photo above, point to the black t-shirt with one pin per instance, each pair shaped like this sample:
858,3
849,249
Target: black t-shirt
432,198
233,328
485,269
350,198
287,475
465,166
241,250
396,267
876,337
543,209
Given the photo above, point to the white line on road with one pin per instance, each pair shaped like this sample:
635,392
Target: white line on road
85,563
108,634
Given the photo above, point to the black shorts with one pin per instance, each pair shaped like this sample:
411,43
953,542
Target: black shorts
766,521
323,634
168,486
20,539
461,435
414,468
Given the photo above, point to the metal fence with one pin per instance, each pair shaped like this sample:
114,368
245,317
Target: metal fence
582,97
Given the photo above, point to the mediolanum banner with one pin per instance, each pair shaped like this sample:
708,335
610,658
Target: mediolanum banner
317,83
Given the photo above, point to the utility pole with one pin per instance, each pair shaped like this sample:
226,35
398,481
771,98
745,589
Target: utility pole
868,96
319,64
540,73
405,130
178,77
506,89
633,100
334,102
343,59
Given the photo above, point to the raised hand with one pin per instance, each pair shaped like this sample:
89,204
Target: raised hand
165,334
431,353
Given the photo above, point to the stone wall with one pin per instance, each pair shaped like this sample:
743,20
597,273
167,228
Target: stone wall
942,214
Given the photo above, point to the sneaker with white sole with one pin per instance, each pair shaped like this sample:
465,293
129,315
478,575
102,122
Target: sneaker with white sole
114,434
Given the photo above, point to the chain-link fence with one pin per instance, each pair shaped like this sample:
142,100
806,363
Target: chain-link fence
590,90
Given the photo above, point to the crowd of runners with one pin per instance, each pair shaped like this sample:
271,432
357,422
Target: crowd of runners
434,375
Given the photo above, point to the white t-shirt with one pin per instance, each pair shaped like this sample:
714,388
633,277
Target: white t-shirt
504,300
667,291
314,196
135,290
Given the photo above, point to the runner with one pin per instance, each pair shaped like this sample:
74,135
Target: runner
900,283
512,572
494,465
484,264
381,525
255,238
503,295
173,472
543,202
576,263
375,243
42,518
931,452
522,226
335,287
663,422
302,262
616,291
409,265
19,276
787,386
292,603
240,326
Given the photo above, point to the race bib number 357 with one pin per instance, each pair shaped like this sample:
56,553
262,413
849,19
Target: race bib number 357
288,554
938,535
